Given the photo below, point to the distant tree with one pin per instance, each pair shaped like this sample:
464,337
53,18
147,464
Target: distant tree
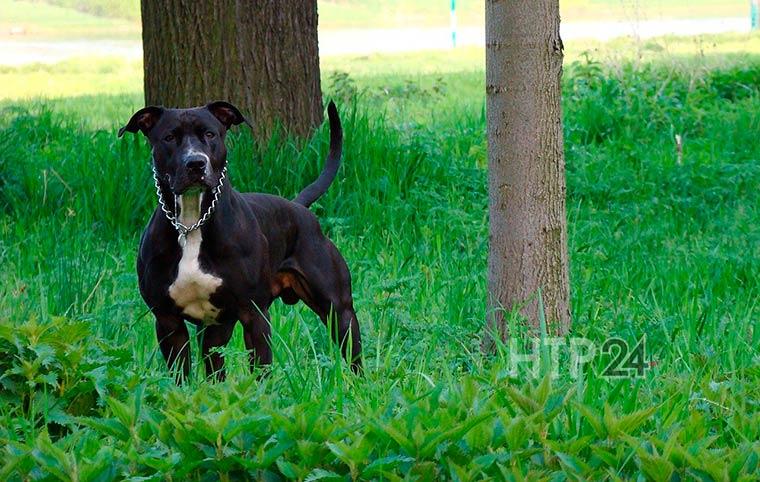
260,55
526,165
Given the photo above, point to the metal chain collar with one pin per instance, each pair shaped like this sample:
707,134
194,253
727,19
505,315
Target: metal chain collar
172,217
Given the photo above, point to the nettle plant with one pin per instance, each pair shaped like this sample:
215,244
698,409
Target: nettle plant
56,369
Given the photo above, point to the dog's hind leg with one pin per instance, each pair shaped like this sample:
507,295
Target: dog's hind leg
323,282
174,341
213,336
345,331
257,335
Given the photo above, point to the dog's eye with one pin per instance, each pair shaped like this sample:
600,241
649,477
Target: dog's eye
169,138
210,135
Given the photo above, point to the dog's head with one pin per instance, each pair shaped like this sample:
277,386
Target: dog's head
187,144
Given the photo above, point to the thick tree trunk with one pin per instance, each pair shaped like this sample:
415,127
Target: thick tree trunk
259,55
526,166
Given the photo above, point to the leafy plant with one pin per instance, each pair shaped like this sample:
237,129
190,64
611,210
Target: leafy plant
661,245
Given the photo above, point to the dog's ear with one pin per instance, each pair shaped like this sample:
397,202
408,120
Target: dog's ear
228,114
143,120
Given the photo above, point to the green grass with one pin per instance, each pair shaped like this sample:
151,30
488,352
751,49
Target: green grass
660,246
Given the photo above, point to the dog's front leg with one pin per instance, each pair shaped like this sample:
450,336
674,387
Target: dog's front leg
214,336
257,334
174,341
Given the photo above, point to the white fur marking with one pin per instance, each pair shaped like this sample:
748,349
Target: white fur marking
192,152
193,287
207,168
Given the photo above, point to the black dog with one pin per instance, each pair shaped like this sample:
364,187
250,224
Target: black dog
213,256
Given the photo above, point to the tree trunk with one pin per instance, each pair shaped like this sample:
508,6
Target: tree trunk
260,55
526,166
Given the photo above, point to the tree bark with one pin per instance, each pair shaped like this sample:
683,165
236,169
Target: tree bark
526,167
262,56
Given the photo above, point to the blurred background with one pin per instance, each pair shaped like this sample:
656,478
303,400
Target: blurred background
96,43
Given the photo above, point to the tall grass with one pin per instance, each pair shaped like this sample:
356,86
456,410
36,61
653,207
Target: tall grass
661,245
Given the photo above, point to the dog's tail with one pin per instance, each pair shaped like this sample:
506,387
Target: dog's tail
313,191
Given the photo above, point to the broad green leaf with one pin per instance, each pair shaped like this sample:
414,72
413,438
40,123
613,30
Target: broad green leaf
526,404
593,419
378,466
454,433
402,440
633,421
250,423
51,458
109,426
576,465
288,469
122,411
654,466
544,389
322,474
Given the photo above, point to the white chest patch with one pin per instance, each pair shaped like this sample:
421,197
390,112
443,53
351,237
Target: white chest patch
193,287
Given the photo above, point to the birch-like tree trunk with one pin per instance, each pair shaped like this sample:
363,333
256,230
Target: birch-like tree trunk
526,166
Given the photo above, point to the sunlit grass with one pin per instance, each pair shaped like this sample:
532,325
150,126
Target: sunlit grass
660,245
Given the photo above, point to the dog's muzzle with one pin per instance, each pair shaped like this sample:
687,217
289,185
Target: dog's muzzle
195,172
